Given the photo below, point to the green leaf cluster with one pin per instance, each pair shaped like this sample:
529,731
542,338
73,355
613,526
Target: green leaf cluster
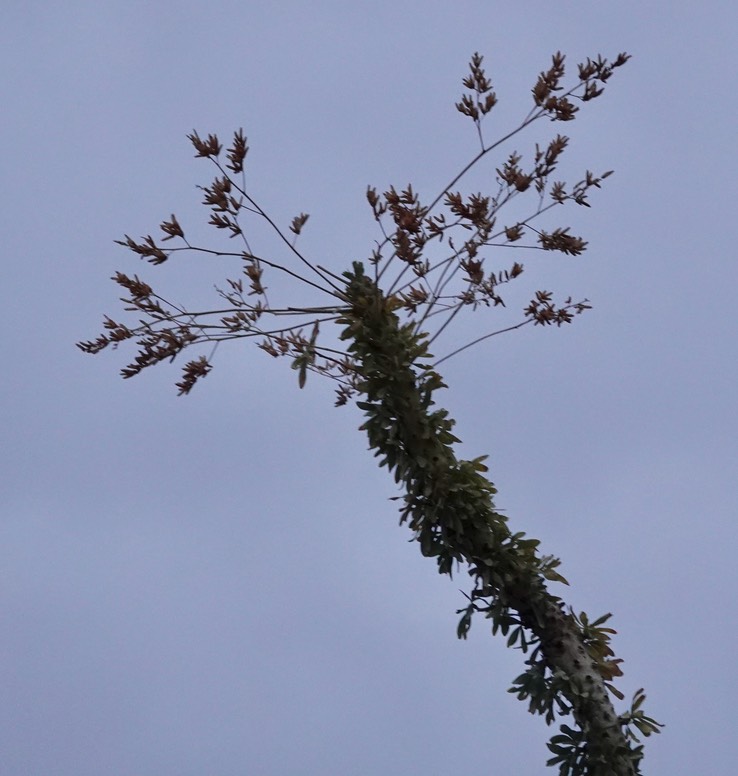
448,505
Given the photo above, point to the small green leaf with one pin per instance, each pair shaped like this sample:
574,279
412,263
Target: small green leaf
554,576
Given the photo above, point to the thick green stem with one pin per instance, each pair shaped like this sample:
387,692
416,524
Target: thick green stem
448,505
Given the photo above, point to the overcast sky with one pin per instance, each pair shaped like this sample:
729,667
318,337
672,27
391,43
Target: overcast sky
217,584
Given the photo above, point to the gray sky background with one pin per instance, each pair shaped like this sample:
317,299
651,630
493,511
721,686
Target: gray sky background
217,584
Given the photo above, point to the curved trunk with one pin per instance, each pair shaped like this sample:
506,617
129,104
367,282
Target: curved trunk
448,504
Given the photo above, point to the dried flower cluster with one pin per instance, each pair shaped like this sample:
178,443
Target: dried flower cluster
441,249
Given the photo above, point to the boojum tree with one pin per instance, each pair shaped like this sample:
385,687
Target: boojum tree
372,335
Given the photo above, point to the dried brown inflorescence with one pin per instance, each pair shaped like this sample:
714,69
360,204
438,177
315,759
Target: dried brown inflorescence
440,249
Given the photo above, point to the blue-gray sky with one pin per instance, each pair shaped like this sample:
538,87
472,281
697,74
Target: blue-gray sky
217,584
